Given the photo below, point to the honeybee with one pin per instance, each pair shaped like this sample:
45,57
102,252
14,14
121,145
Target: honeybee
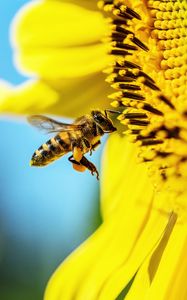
80,137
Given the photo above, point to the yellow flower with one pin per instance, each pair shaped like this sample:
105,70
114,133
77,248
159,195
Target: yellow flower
140,248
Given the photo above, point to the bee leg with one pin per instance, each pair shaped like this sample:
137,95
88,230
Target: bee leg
76,165
80,146
94,146
91,167
77,153
71,159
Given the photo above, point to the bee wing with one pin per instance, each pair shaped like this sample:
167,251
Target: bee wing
49,125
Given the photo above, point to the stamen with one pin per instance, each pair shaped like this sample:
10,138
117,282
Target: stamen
123,86
139,43
148,107
123,46
150,142
119,22
132,96
122,30
134,131
128,64
138,122
151,85
151,82
132,13
135,115
166,101
120,52
124,15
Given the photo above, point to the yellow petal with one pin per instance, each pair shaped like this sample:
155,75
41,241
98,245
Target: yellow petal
57,23
177,288
148,270
63,62
170,279
101,267
129,184
26,98
140,284
80,95
56,39
163,275
69,98
139,240
91,4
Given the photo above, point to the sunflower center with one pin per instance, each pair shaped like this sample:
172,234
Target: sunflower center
148,41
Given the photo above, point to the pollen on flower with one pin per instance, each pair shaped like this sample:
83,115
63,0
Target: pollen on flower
149,75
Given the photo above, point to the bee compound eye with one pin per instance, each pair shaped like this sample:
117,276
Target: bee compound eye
98,118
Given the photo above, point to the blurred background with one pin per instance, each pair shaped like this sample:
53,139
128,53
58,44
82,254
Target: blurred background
45,213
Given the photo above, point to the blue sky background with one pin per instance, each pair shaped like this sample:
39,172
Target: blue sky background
44,213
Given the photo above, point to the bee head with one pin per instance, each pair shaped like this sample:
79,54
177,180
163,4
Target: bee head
102,120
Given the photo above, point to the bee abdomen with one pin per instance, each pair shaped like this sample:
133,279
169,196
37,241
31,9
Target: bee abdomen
50,151
63,142
42,156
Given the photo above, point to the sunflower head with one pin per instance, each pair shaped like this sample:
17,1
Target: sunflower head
149,75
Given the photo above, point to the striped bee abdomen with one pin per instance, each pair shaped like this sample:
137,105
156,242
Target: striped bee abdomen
51,150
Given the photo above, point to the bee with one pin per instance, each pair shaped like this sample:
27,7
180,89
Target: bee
80,137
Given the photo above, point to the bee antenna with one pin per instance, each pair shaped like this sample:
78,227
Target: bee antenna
112,111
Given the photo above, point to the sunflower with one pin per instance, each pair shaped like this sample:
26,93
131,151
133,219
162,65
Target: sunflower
139,251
